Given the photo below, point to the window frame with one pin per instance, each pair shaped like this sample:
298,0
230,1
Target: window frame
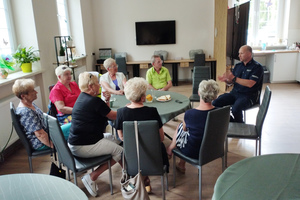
67,17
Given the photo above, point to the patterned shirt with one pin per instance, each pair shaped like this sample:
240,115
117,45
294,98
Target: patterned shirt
32,120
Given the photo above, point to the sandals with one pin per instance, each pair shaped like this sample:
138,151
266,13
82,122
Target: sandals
147,185
181,170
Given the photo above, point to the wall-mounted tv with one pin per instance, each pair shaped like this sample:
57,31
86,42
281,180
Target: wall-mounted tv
155,32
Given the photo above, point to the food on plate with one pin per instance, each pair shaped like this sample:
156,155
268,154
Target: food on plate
164,98
149,97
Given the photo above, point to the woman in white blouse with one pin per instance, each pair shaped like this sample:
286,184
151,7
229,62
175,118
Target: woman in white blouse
112,81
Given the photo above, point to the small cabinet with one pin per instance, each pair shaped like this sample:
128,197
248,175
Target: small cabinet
282,66
298,68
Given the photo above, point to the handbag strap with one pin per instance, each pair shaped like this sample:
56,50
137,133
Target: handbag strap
137,143
137,148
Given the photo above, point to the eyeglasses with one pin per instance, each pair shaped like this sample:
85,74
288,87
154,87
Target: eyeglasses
115,66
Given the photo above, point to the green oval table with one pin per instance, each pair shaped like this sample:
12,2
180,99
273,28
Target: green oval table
38,186
166,110
274,176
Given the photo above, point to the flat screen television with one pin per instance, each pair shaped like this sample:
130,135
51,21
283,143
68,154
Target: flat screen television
237,30
155,32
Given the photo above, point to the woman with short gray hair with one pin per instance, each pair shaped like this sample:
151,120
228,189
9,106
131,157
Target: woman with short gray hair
112,81
135,92
189,133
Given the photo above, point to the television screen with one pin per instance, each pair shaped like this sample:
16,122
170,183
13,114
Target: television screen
155,32
237,30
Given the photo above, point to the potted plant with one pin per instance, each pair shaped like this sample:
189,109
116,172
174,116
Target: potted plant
61,57
6,63
25,57
70,41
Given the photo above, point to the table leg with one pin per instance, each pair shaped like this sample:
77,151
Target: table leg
175,74
213,65
168,136
136,70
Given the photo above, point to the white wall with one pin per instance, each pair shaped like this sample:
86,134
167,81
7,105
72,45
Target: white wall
114,25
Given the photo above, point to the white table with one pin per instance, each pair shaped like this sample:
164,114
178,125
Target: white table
38,186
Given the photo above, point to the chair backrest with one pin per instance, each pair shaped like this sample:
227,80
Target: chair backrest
151,162
199,59
51,107
200,73
262,112
64,154
216,127
121,62
20,129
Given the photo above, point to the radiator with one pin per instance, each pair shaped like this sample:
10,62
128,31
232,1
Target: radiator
5,119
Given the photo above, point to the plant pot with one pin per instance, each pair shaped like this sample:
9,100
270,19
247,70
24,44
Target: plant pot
26,67
3,73
61,59
69,43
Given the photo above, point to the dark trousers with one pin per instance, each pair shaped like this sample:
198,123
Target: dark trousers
238,102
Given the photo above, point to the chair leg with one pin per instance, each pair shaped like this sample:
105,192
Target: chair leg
30,164
75,178
174,171
69,176
259,146
256,141
226,151
223,163
167,179
200,180
110,178
163,187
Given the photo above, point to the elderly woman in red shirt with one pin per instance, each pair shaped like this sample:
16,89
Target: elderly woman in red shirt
64,94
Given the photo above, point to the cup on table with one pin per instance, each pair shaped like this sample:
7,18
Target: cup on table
111,101
149,96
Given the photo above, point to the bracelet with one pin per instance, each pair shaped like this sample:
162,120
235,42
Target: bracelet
234,79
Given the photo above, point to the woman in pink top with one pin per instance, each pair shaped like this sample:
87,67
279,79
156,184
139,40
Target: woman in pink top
64,94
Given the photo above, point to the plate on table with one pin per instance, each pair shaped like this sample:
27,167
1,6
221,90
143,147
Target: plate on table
164,98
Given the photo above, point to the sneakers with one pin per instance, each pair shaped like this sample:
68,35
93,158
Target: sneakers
90,185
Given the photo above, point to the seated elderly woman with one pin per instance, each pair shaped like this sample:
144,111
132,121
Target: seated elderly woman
135,92
31,117
89,120
189,133
64,94
112,81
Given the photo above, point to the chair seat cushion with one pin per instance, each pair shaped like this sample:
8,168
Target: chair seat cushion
194,98
186,158
242,130
87,163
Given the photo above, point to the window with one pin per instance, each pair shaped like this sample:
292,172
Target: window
266,23
7,41
63,19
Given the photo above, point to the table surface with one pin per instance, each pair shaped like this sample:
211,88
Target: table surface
275,176
166,110
38,186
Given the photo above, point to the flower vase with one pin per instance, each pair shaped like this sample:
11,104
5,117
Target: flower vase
3,73
26,67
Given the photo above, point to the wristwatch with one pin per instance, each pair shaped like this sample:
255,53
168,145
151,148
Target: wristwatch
234,79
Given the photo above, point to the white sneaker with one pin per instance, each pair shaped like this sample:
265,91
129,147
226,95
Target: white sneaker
90,185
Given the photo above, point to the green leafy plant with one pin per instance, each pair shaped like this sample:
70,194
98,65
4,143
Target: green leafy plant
26,55
62,51
6,62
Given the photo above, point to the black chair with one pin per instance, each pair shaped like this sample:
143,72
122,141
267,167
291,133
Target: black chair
121,62
249,131
65,157
200,73
20,131
199,59
151,162
212,146
51,107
